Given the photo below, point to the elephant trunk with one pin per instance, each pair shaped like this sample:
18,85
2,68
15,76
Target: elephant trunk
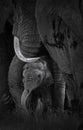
15,79
26,34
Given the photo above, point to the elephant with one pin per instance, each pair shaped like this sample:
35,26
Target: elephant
37,80
60,25
50,23
31,30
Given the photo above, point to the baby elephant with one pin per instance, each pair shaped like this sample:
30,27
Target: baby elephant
36,77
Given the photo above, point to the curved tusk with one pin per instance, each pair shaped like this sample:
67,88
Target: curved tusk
19,54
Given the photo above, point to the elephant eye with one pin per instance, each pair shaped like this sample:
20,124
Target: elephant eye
59,41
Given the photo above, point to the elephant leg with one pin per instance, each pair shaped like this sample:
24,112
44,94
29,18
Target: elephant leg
15,80
64,85
59,88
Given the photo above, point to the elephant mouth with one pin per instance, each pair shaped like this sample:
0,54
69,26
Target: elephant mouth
19,54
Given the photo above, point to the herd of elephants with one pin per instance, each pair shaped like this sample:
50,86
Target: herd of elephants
41,56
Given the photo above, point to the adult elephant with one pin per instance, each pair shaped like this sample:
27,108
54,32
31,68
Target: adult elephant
60,25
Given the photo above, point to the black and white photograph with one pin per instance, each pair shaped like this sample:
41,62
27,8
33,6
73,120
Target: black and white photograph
41,64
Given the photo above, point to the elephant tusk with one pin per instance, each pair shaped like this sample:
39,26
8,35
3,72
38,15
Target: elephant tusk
19,54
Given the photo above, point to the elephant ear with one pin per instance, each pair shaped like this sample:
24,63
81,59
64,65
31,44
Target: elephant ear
55,19
5,12
52,34
71,11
